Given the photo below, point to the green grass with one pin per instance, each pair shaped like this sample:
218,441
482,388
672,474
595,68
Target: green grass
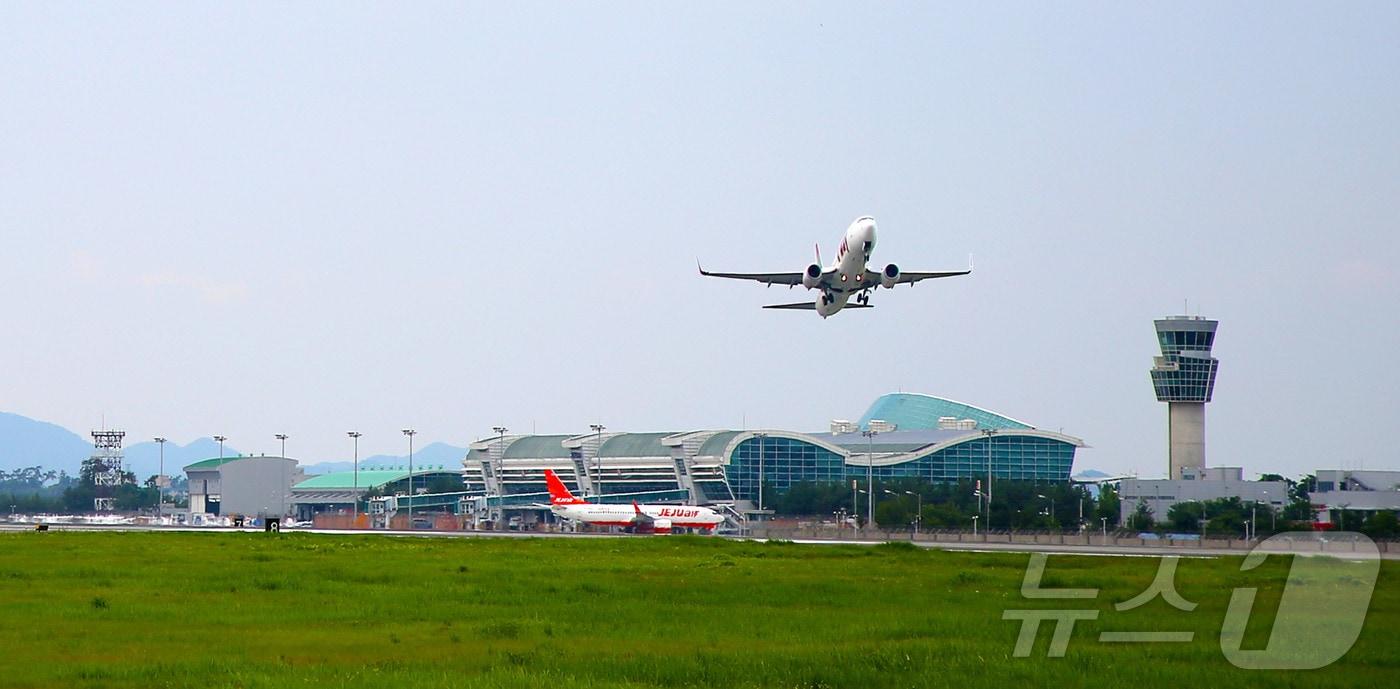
252,610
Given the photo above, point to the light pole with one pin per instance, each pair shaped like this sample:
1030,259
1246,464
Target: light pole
221,440
1052,508
283,437
1081,514
500,464
974,525
410,433
855,508
918,511
160,485
598,429
355,511
1273,517
870,473
762,437
1104,522
988,433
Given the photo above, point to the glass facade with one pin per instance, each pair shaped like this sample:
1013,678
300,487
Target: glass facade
1186,371
1012,457
787,461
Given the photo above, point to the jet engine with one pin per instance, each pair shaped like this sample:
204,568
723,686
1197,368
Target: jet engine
812,277
889,277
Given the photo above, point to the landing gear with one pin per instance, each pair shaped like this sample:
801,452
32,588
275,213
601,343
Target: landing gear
864,298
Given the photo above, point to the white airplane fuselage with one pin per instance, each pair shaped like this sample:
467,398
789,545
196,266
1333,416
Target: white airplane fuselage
666,517
849,267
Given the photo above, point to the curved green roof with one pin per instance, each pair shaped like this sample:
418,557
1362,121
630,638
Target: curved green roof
539,446
715,444
911,411
220,461
636,445
368,478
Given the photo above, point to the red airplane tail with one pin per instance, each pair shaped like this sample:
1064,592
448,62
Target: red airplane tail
559,493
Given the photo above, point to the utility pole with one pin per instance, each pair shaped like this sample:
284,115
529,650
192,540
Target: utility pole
988,433
283,490
160,481
870,473
919,511
762,437
410,433
355,511
500,465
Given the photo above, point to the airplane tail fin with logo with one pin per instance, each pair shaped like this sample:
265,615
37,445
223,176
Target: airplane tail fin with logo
559,493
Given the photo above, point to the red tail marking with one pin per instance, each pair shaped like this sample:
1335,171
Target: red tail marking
559,493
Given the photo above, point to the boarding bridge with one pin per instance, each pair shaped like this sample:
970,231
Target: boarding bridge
585,479
685,480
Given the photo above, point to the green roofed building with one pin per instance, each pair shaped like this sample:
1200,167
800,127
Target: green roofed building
338,490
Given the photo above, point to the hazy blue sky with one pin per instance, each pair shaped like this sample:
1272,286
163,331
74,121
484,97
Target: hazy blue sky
253,218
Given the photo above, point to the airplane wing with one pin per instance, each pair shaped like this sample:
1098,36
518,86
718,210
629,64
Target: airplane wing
789,279
812,306
909,277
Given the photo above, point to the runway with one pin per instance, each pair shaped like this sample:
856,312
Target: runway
1055,549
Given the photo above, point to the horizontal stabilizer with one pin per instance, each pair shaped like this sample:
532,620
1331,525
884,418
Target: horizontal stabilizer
812,306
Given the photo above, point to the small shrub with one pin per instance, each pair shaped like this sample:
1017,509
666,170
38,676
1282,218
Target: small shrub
898,547
100,603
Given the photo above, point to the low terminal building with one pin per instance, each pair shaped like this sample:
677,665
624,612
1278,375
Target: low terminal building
339,491
1197,484
246,486
1354,491
914,436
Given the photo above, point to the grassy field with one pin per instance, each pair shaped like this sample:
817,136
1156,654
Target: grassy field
252,610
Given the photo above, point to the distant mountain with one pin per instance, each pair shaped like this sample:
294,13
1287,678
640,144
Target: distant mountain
143,459
433,455
1089,474
25,442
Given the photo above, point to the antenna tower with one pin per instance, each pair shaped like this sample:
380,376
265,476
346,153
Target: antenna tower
105,468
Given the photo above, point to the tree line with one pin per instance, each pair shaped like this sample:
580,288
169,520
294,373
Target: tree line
30,490
1031,505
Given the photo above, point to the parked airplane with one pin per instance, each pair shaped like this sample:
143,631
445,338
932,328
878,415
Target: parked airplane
845,278
656,519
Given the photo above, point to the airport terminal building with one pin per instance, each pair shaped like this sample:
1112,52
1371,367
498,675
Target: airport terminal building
914,436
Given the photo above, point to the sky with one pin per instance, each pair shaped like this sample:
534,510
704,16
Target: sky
307,218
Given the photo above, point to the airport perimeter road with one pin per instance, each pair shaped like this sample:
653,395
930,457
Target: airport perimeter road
1054,549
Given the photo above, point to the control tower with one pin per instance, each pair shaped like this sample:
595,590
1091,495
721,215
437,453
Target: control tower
1184,378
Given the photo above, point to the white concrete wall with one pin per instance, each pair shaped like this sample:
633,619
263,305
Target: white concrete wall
1186,426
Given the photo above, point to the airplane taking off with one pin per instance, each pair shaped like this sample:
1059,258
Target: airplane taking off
846,277
653,519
